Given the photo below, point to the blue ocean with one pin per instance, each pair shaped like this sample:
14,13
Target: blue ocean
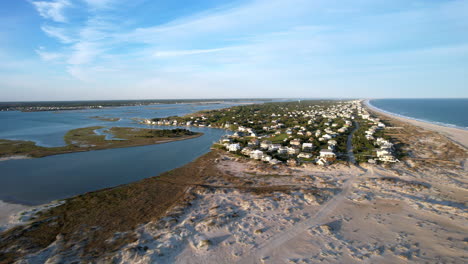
447,112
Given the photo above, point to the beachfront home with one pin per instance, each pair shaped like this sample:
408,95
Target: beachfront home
246,151
293,150
383,152
322,162
295,142
327,154
238,134
274,147
282,150
234,147
256,154
307,146
253,134
342,130
318,133
266,158
388,158
305,155
265,144
226,140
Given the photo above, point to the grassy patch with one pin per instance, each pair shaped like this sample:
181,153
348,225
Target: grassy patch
85,139
278,139
108,119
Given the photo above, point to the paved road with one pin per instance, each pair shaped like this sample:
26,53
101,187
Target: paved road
351,157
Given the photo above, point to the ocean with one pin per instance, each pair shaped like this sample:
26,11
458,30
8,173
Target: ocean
446,112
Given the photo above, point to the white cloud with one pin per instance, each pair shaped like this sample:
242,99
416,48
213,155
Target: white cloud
58,33
48,56
83,53
53,10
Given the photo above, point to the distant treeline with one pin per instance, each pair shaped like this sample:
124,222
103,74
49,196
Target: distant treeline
72,105
177,132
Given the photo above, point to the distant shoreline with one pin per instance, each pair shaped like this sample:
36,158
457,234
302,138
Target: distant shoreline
54,106
414,118
456,134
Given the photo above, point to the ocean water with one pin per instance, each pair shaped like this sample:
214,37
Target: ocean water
446,112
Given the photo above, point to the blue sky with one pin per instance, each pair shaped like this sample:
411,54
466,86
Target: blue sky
119,49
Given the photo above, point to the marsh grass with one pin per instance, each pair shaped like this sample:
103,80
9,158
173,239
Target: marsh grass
85,139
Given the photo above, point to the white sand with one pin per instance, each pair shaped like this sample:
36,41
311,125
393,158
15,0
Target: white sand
16,214
8,211
15,157
458,136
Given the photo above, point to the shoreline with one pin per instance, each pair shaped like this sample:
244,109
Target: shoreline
367,101
18,157
457,135
8,211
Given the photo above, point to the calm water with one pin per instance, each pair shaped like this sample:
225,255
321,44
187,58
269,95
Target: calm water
48,128
36,181
448,112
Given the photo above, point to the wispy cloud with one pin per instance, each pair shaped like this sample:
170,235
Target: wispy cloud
58,33
48,56
83,53
261,44
53,10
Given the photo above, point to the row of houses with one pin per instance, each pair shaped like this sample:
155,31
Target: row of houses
385,150
266,149
296,150
301,125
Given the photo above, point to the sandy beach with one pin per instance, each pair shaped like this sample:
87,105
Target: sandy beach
458,136
14,157
8,210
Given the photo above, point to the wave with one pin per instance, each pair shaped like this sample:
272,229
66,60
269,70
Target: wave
368,102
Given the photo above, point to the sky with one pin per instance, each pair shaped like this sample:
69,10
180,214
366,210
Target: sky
146,49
